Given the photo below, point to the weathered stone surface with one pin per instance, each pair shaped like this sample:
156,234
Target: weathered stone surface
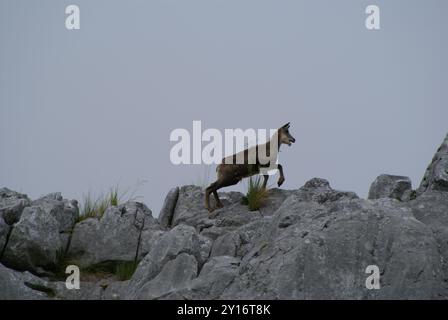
325,249
431,208
239,242
149,239
319,190
4,230
226,245
12,204
117,236
66,212
166,213
205,246
88,290
190,206
436,175
181,239
174,275
34,243
115,290
216,275
389,186
19,286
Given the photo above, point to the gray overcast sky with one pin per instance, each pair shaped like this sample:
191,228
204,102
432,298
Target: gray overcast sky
87,109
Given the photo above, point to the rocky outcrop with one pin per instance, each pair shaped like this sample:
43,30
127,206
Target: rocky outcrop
181,240
436,175
166,213
34,243
117,236
4,233
64,211
12,204
389,186
35,234
310,243
22,286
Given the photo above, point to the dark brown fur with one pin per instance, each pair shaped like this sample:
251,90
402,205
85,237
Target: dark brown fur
231,173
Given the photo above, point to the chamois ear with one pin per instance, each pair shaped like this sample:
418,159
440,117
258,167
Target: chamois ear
286,126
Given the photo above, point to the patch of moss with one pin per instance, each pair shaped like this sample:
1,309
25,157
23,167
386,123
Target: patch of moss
122,270
125,270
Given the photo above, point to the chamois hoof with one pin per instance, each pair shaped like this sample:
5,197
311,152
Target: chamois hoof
280,182
210,210
219,205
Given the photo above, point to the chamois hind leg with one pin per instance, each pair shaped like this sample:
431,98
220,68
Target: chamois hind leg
218,184
218,201
210,189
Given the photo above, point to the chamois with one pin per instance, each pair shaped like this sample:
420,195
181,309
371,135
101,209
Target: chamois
248,163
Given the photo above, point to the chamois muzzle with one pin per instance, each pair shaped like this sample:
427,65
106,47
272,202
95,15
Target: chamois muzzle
291,140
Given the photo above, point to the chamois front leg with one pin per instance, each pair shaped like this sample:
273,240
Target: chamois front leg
281,179
265,181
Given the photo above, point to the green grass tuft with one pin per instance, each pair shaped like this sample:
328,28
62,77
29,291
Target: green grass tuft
256,195
95,207
114,198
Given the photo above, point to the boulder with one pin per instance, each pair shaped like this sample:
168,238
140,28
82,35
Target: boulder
319,190
216,275
436,175
175,275
190,206
180,239
389,186
117,236
66,212
12,204
166,213
34,243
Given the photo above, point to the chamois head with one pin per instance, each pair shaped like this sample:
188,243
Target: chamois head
284,136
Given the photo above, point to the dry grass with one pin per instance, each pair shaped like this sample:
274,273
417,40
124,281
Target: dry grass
256,195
